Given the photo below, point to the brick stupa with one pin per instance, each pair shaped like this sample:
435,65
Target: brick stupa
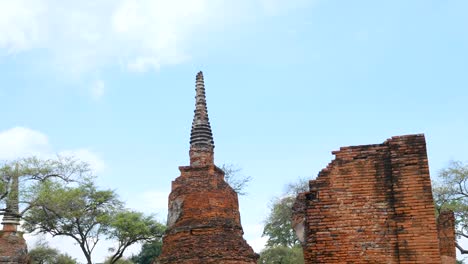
203,224
13,248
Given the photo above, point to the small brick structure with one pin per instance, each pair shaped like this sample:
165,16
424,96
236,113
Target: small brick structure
445,226
373,204
203,221
13,248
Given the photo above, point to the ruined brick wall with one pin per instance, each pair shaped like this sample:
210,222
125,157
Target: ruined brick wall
446,231
372,204
13,249
204,221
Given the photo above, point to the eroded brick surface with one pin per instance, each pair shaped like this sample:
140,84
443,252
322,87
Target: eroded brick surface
372,204
13,249
446,229
203,220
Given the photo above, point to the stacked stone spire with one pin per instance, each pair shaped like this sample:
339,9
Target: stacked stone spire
11,217
201,136
203,223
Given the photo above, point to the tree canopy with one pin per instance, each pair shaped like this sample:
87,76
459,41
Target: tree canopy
33,171
233,176
281,255
282,245
62,206
82,213
149,251
42,253
451,193
129,227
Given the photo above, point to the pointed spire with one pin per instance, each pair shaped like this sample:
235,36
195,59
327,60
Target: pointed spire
11,215
201,136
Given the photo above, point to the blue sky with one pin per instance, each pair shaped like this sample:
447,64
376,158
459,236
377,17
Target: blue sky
112,82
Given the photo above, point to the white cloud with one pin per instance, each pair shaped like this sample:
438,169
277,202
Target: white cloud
19,24
97,89
96,163
85,36
20,142
152,201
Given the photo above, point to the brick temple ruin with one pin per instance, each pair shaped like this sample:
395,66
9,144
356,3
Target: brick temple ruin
373,204
203,224
13,248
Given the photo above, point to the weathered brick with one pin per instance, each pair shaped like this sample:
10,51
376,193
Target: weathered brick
204,222
13,248
373,204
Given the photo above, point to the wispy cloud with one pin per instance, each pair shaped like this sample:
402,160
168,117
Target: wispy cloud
85,36
88,156
20,142
19,27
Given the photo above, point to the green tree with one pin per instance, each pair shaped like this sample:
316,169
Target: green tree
278,225
451,193
233,176
128,228
282,245
81,212
42,253
149,251
33,171
281,255
64,258
88,215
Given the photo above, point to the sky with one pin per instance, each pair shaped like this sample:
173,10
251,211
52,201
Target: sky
112,82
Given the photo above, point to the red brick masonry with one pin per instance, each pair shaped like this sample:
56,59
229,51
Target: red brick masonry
445,226
372,204
13,249
204,221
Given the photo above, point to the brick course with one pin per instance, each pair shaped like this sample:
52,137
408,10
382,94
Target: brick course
445,226
203,221
13,249
372,204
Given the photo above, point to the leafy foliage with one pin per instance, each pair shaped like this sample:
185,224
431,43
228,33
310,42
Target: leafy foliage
278,225
282,245
129,227
43,254
235,179
149,251
82,213
87,215
451,193
33,171
281,255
